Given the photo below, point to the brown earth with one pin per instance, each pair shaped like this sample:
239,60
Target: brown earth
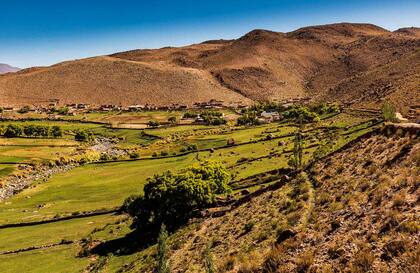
356,64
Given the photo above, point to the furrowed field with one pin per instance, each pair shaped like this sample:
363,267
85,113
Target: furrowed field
44,227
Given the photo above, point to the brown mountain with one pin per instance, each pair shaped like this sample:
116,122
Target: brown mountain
5,68
358,64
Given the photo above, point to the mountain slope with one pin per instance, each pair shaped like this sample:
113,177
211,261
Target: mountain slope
320,62
350,214
5,68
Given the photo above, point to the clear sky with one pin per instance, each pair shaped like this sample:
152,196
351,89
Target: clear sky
44,32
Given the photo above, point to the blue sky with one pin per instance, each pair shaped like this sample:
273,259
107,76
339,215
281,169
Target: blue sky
44,32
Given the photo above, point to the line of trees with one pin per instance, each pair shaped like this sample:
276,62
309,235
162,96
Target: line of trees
14,130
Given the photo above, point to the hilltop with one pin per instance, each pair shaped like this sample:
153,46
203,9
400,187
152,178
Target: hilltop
355,64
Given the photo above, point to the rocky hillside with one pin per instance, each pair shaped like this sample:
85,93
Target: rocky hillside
357,64
346,213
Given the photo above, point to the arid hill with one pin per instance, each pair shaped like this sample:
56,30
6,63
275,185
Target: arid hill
5,68
347,214
357,64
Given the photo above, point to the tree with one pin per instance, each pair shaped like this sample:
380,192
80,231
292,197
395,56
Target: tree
13,131
63,110
208,261
56,131
153,123
163,266
82,135
296,160
172,198
24,109
172,120
29,130
388,111
301,114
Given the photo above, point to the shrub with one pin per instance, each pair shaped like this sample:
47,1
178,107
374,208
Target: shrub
162,255
304,261
104,157
24,109
248,226
388,111
153,123
172,120
230,142
134,155
63,110
56,131
363,260
208,261
83,135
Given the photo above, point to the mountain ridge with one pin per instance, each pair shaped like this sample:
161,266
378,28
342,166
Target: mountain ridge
5,68
314,61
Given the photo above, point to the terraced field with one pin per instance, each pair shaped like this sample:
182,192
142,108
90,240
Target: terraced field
47,224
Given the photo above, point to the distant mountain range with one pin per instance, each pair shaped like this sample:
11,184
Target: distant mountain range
5,68
356,64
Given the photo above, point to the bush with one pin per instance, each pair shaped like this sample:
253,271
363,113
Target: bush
248,226
56,131
83,135
388,111
24,109
63,110
172,198
153,124
172,120
134,155
189,115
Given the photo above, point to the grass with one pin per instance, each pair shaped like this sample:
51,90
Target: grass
52,233
98,186
57,259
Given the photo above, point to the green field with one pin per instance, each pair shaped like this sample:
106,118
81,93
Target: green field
104,186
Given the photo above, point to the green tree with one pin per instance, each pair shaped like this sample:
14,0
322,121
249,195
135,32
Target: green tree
153,123
172,198
56,131
82,135
296,160
24,109
208,261
163,266
388,111
172,120
63,110
13,131
29,130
